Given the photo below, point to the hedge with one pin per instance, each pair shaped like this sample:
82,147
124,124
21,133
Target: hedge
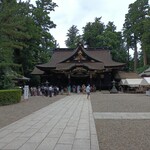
8,97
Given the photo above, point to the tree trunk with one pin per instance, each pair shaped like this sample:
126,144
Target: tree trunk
135,57
128,59
144,58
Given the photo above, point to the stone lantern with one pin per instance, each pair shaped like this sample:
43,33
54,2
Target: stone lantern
113,90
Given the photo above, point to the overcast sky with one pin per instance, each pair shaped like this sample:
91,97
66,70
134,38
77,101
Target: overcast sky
80,12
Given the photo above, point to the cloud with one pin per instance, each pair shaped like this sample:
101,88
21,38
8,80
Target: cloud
80,12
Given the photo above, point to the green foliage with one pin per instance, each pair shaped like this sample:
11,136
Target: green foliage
12,26
73,37
25,37
98,35
41,42
141,69
91,32
135,26
8,97
8,72
145,40
12,36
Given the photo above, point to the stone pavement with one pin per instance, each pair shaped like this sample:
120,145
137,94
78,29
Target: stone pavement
122,115
67,124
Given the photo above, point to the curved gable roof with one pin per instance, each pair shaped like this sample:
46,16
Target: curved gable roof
62,55
104,56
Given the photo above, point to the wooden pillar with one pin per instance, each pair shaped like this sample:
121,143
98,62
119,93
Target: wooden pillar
69,81
91,76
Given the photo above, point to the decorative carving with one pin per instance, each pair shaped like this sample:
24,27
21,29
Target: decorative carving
80,56
79,70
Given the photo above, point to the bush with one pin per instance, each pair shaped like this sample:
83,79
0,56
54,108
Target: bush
8,97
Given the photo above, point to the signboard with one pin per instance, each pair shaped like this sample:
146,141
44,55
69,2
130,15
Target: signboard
148,93
26,92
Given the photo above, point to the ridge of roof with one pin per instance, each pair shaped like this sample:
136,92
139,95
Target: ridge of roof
87,49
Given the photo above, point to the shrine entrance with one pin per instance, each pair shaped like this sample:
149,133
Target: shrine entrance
80,80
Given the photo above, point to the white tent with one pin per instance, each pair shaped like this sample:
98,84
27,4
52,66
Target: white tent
133,82
145,81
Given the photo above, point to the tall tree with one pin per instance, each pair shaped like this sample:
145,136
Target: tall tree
24,35
145,39
133,26
12,34
41,16
91,31
113,40
98,35
41,41
12,26
73,37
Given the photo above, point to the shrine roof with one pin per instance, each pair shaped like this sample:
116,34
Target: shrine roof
62,55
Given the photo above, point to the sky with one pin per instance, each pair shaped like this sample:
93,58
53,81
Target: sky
80,12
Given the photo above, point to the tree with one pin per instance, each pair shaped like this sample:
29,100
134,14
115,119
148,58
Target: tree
91,31
113,40
133,26
145,40
41,42
73,37
98,35
12,34
25,37
12,27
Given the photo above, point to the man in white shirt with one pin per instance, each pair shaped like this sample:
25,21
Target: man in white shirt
88,90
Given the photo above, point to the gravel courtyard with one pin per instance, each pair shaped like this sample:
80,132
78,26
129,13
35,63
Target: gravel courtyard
122,134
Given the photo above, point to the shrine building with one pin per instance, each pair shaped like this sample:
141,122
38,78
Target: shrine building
79,66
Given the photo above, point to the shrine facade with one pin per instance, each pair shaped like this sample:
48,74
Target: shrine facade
79,66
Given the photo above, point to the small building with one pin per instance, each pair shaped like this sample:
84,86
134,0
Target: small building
80,66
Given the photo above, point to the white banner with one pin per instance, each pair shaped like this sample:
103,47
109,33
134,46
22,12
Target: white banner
26,92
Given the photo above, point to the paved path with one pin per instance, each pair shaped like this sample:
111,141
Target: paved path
67,124
121,115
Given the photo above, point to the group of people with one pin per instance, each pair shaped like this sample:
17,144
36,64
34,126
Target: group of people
55,90
77,89
44,90
80,88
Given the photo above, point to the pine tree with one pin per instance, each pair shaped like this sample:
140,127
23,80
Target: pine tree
73,37
134,27
12,34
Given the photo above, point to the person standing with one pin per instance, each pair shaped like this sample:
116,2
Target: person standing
69,89
88,90
78,89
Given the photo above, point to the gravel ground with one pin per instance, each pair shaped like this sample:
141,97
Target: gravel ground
120,102
12,113
122,134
